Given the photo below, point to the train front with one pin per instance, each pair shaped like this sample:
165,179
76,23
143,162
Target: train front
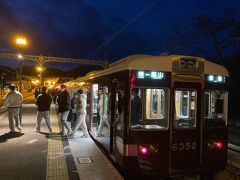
177,119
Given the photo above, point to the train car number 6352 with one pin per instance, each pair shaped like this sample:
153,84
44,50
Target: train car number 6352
184,146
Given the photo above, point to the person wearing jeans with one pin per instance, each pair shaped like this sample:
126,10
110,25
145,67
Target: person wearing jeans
43,102
64,106
13,101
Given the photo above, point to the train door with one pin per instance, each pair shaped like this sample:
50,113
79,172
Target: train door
186,126
102,121
114,100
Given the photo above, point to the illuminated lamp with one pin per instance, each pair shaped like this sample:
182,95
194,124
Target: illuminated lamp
220,78
218,145
143,150
210,77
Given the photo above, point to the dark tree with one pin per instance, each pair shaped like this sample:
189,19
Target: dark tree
232,21
207,27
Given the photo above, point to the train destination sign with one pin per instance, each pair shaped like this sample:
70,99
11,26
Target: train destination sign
150,75
216,79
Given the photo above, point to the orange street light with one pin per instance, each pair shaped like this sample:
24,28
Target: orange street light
39,69
21,41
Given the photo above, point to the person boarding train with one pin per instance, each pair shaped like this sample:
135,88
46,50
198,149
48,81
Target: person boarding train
81,112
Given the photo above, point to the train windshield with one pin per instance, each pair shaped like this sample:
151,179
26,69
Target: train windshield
149,108
185,109
215,108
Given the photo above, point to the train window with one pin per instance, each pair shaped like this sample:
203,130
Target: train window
149,108
215,108
185,108
155,104
94,106
136,107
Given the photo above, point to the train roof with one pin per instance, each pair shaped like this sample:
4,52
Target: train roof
149,62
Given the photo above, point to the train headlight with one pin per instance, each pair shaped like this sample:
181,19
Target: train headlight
148,149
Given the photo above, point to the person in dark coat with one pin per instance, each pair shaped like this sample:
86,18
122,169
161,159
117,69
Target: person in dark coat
64,106
136,107
43,102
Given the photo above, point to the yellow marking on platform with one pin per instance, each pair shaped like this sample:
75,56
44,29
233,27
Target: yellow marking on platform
56,162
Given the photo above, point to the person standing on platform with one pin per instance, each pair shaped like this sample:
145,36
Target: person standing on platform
43,102
64,106
73,117
81,114
13,101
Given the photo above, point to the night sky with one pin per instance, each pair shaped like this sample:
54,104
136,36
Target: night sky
85,29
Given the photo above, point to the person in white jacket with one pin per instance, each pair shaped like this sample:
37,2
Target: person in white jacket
13,101
102,106
81,112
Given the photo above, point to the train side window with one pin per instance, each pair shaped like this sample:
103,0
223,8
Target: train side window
215,105
94,106
185,108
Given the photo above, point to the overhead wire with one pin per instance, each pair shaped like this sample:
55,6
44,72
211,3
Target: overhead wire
141,14
103,45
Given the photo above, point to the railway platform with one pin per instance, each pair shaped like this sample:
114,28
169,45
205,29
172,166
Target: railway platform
28,155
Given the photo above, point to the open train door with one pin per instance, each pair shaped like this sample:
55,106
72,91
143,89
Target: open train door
114,113
186,126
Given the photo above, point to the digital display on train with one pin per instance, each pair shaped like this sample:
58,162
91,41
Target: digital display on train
150,75
216,79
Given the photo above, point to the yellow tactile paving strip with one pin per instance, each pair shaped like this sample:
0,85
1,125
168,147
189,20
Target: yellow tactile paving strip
56,162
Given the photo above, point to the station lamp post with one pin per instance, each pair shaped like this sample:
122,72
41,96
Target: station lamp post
20,58
21,42
40,70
